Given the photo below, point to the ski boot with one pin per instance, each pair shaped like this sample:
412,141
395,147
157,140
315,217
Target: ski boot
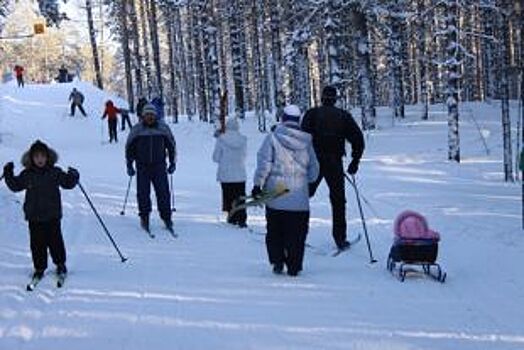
278,268
144,222
61,269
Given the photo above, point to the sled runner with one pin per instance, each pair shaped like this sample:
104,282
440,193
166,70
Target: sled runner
263,198
415,248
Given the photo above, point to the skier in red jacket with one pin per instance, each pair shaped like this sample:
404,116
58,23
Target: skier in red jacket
19,72
111,113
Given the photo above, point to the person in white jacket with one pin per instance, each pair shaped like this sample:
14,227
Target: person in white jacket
230,154
287,159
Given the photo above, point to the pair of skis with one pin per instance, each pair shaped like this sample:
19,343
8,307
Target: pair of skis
35,280
152,235
318,250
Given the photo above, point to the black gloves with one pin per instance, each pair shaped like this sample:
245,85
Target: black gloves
353,167
171,169
8,168
73,172
130,170
256,191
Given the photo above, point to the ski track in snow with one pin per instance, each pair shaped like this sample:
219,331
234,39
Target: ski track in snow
212,288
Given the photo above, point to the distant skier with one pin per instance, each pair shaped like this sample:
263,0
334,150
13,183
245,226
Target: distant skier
331,127
42,179
158,102
112,120
19,72
148,144
286,158
63,74
230,154
140,107
124,113
77,100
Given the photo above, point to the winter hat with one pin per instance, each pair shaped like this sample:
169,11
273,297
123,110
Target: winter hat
232,124
291,114
149,109
38,147
329,95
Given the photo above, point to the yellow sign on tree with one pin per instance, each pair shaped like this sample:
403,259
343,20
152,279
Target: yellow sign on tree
39,28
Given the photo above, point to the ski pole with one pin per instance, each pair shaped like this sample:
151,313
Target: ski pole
123,212
2,177
172,193
353,183
101,222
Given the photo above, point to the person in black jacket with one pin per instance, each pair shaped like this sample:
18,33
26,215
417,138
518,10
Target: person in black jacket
140,107
42,180
147,145
331,127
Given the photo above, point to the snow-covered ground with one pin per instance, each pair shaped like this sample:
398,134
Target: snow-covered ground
213,289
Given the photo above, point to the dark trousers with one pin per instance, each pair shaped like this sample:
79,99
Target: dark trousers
20,80
112,124
231,191
331,169
126,119
44,236
80,107
286,237
156,174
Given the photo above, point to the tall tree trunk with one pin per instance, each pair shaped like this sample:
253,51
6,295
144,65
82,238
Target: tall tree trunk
183,67
127,53
453,65
170,24
137,60
367,89
143,22
201,93
504,64
211,53
395,59
276,51
153,30
191,58
332,30
257,40
423,59
94,48
238,56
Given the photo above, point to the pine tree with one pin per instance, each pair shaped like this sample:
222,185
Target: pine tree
94,47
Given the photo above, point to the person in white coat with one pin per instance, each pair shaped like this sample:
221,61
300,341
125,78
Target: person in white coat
287,158
230,155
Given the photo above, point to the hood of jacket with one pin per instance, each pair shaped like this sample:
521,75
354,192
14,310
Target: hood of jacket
233,139
292,138
52,158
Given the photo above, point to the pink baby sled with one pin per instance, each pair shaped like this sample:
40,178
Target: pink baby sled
415,245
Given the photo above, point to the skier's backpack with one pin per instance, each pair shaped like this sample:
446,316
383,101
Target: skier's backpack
414,244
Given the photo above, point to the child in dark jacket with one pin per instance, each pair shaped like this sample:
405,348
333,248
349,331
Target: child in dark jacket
42,180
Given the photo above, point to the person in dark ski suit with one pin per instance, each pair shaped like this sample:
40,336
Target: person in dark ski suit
140,107
286,158
42,180
112,120
63,75
147,144
331,127
159,105
77,100
125,118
